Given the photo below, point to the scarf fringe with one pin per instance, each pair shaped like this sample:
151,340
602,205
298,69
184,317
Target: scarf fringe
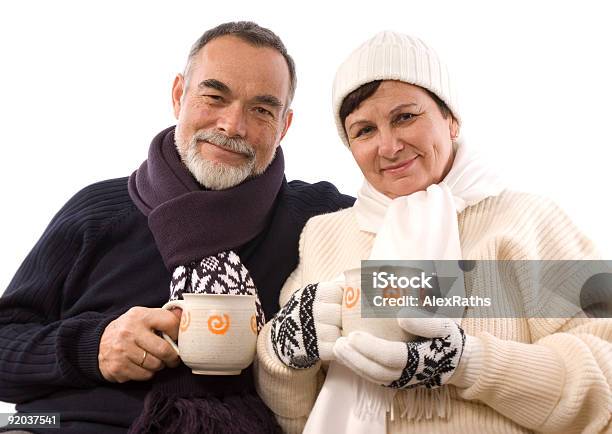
421,403
239,414
412,404
373,400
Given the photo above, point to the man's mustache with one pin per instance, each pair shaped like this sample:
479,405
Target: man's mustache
233,144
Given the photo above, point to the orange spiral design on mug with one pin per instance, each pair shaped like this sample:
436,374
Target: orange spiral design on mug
351,297
219,325
185,320
391,292
254,324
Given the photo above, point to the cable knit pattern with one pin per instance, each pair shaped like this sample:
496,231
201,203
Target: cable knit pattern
533,375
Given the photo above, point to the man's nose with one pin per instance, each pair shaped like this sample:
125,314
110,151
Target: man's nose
232,121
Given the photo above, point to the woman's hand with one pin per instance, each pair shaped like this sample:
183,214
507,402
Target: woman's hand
429,361
305,329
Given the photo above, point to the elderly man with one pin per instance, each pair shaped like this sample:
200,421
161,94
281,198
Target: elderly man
80,321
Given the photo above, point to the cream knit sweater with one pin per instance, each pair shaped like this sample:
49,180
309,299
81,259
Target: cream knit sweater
533,374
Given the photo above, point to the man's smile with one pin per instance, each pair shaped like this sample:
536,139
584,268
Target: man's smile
220,154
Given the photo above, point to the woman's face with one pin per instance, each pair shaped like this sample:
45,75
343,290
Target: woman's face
400,139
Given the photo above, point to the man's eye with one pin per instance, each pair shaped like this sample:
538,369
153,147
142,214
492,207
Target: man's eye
364,130
263,111
217,98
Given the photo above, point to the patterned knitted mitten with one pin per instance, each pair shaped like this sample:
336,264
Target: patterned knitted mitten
305,329
223,273
429,361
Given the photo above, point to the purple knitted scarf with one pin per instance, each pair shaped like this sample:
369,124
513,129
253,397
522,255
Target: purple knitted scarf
190,222
196,232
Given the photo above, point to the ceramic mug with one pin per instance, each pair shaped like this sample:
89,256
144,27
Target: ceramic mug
217,333
352,320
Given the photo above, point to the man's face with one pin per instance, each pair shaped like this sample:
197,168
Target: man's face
231,111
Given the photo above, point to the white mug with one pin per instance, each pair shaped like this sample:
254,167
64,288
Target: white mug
217,333
352,319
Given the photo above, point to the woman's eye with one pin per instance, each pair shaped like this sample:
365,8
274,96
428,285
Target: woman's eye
404,117
364,130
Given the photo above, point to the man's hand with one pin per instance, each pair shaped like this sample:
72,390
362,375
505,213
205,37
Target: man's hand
123,344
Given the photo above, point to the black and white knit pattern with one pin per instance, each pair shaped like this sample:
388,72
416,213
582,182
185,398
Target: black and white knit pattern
293,333
431,362
223,273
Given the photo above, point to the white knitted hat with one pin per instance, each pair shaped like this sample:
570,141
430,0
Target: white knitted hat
392,56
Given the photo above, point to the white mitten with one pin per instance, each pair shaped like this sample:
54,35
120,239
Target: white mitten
429,361
305,329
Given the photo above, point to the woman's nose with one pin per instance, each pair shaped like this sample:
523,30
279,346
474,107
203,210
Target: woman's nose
389,144
232,121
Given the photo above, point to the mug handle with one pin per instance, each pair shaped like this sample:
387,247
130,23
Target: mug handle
168,306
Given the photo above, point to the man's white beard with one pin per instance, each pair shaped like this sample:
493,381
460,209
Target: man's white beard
214,175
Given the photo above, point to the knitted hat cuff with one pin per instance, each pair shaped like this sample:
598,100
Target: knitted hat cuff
392,56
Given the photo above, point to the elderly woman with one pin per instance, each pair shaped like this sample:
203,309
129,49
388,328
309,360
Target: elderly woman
427,196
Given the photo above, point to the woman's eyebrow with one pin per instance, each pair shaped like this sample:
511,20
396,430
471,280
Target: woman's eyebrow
402,106
396,109
357,122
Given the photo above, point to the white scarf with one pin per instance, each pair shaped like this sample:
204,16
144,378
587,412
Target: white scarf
420,226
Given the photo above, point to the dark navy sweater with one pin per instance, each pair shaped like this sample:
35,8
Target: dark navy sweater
96,259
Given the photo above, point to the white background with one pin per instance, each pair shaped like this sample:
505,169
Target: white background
84,88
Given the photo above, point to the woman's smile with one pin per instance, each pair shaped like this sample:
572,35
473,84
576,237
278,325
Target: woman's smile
400,168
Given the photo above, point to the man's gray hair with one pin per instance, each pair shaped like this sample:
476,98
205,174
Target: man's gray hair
255,35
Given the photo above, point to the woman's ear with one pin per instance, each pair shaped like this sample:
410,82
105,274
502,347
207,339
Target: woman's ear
453,128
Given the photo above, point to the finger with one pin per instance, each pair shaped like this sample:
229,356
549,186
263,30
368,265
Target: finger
327,333
136,373
330,292
326,350
146,360
392,354
328,313
172,361
413,312
177,311
162,320
363,366
427,327
157,347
